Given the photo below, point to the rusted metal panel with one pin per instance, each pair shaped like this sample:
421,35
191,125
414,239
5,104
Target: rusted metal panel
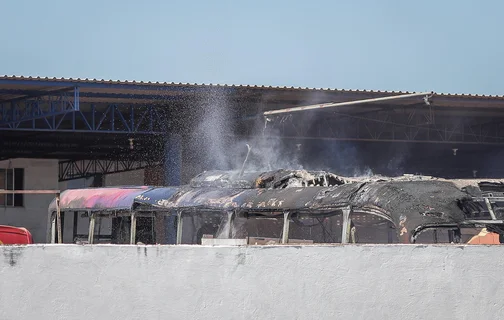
118,198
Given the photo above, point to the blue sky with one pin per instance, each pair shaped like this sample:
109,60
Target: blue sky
447,45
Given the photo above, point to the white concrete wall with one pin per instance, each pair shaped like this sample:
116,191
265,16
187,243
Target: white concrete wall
291,282
38,174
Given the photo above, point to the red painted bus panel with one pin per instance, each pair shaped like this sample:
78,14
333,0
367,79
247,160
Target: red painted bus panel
14,235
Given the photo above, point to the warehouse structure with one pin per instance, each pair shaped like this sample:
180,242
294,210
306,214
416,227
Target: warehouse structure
54,132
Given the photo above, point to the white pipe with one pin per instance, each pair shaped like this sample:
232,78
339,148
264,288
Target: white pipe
58,220
53,229
133,228
92,219
179,227
346,225
285,232
348,103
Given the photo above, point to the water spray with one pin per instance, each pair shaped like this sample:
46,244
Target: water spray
245,161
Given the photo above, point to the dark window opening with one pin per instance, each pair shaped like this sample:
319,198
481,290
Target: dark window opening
438,235
204,224
370,228
310,228
12,179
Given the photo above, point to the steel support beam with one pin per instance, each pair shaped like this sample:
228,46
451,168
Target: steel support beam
71,170
112,118
32,94
43,95
417,125
17,111
349,103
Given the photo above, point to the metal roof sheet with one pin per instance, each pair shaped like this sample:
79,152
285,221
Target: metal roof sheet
133,83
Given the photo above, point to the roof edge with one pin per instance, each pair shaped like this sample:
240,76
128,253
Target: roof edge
133,83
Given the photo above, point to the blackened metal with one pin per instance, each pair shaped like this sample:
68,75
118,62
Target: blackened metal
277,179
485,186
409,205
224,179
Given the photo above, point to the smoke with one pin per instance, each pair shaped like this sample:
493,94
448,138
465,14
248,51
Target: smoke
398,156
210,138
395,164
271,151
341,157
363,173
268,151
216,146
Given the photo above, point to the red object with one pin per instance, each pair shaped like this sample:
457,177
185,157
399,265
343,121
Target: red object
14,235
485,237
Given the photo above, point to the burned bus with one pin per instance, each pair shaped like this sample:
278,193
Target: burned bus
293,207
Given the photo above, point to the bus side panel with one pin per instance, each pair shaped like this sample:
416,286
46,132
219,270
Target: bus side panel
13,235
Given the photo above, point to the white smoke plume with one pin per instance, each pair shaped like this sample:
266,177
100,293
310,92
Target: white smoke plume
214,140
216,147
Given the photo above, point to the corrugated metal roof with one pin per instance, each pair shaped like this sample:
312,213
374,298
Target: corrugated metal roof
134,83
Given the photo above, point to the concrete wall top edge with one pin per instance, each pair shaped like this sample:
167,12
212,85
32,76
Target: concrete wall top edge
197,247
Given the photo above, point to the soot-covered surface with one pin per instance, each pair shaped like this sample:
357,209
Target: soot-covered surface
407,202
277,179
414,203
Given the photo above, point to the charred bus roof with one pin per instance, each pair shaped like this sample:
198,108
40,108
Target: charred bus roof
411,203
277,179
